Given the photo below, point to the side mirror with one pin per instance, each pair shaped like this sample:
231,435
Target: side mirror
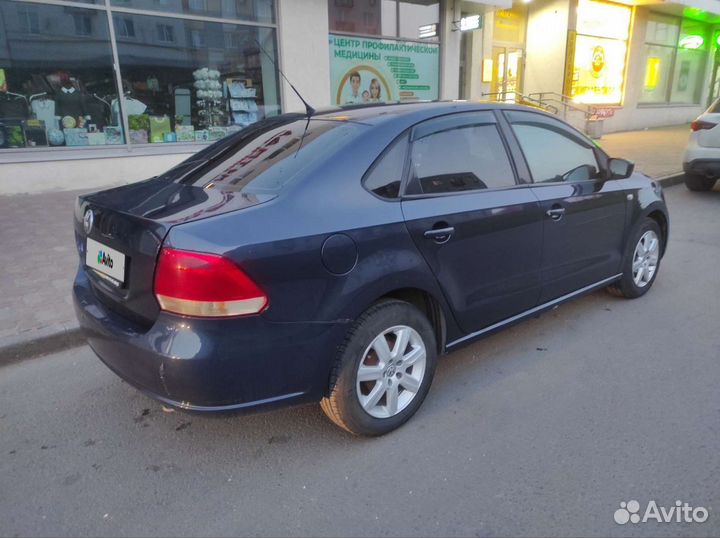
620,168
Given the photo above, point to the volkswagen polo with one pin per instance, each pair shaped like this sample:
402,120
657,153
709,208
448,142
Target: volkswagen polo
332,258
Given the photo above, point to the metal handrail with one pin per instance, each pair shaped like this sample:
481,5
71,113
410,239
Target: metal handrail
519,98
564,100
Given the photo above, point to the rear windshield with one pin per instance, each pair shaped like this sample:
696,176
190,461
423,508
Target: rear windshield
263,158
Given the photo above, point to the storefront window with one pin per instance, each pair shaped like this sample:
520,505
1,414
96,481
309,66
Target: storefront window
658,60
599,54
689,70
249,10
190,81
675,55
356,16
412,16
662,30
389,18
183,80
57,84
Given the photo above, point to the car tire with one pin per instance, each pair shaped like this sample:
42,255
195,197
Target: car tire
638,262
355,404
695,182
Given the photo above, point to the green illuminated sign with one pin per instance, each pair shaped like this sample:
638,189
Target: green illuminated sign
692,42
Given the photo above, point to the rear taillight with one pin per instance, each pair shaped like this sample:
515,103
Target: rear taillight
206,285
699,125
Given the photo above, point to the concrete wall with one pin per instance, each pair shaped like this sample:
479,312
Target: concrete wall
449,50
86,174
546,45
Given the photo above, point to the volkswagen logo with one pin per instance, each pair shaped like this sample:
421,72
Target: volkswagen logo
88,221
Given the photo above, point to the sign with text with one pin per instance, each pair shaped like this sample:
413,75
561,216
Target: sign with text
369,70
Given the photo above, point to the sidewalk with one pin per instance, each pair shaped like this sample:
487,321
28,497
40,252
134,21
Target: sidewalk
657,152
38,261
38,258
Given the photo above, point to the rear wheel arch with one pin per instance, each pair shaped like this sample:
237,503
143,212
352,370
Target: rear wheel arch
428,305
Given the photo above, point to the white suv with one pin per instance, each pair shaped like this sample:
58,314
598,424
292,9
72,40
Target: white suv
701,162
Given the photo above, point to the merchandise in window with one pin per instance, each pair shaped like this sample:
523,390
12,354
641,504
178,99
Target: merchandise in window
57,81
188,81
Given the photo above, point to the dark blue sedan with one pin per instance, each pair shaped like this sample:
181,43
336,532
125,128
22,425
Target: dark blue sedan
333,258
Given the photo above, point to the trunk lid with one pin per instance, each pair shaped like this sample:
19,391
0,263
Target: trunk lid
240,171
129,225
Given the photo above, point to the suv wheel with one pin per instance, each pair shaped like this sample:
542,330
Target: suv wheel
383,371
695,182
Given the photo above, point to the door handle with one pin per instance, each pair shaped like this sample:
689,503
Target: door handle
556,213
440,235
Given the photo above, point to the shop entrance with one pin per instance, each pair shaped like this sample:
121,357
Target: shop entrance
507,73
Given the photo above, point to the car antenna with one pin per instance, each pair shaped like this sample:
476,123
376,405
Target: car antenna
308,109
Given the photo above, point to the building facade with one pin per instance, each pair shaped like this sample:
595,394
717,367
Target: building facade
101,92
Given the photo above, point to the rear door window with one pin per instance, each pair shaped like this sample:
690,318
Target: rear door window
456,153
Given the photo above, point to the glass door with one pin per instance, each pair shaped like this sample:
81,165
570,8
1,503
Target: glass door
507,73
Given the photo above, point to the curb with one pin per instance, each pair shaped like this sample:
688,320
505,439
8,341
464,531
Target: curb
671,179
39,342
36,343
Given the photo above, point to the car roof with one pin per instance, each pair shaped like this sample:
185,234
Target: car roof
376,113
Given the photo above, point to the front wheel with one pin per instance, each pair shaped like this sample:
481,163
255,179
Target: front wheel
641,261
699,183
383,370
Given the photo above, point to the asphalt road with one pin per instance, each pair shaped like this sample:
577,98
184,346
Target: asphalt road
540,430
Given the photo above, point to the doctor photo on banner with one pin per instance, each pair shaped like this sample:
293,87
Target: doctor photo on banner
361,85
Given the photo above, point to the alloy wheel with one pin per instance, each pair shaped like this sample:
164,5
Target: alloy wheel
645,259
391,371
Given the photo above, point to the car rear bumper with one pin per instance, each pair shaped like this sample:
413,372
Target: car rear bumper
209,364
709,167
701,159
